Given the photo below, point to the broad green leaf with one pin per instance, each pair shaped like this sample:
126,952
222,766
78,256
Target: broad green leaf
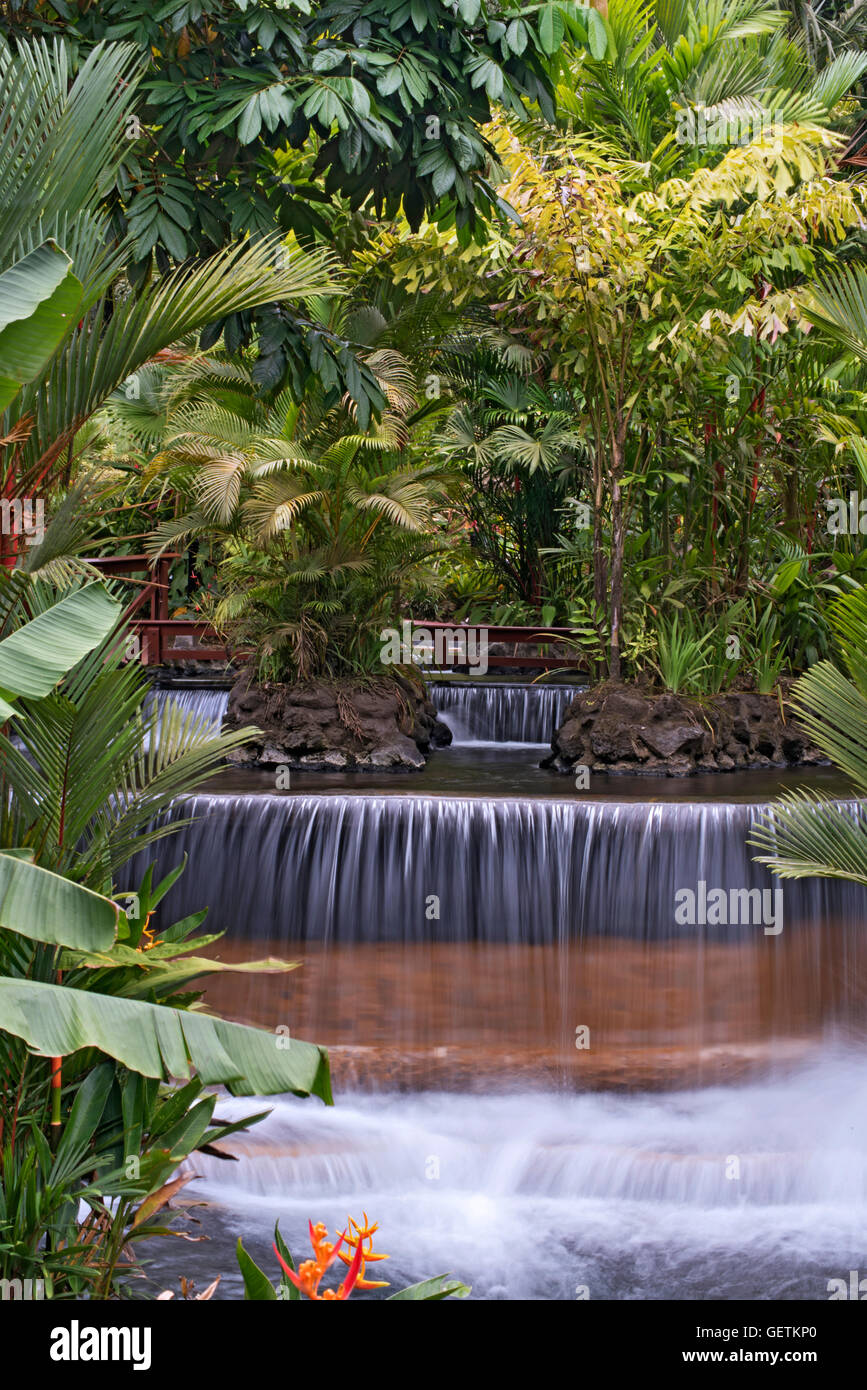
431,1290
551,29
30,282
257,1285
786,575
596,34
45,907
168,975
251,121
39,297
33,659
162,1042
516,36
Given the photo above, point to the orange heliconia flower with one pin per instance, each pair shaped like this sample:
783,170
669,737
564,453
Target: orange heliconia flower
355,1241
147,932
310,1273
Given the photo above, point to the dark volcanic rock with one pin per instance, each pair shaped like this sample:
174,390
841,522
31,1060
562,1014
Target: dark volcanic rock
617,728
382,722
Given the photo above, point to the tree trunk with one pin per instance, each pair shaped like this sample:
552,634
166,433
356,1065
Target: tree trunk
618,541
600,568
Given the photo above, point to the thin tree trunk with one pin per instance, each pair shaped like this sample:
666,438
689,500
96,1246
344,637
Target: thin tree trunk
618,541
600,568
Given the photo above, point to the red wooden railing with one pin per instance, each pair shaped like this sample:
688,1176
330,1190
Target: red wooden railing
148,613
516,636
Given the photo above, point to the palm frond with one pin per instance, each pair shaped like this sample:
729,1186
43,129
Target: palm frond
804,835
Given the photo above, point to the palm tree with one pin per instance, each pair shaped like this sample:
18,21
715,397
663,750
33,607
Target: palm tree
517,445
322,529
70,333
730,63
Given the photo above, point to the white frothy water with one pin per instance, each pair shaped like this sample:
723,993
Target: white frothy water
541,1195
505,716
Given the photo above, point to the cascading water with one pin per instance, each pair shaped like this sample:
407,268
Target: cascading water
205,702
756,1191
500,713
474,713
495,929
528,1043
362,867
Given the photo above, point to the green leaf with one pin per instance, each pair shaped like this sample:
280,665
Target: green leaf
167,975
786,575
419,15
39,297
469,10
431,1290
516,36
290,1293
250,123
86,1113
257,1285
45,907
597,36
39,654
390,80
31,281
443,178
551,29
172,237
158,1041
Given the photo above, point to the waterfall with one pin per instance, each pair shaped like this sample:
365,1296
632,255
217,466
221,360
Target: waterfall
352,868
500,713
464,943
527,1041
474,713
555,1197
205,702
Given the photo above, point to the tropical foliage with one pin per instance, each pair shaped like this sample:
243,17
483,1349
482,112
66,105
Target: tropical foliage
306,1280
84,785
70,333
321,529
518,313
295,116
807,835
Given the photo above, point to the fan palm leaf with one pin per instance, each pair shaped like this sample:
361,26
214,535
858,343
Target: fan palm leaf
838,306
806,835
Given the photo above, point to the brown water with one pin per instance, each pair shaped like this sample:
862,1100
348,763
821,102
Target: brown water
481,1015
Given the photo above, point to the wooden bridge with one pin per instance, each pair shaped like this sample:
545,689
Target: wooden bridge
159,635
